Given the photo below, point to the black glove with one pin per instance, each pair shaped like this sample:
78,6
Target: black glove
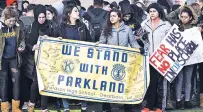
142,51
145,36
140,43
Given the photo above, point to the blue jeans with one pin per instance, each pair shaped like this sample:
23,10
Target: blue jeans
66,104
185,76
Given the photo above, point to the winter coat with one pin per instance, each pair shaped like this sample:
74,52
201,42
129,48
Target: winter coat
173,17
27,20
28,57
120,37
20,42
95,11
155,36
90,28
82,29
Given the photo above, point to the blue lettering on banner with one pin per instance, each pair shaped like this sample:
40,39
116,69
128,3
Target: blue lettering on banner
77,50
112,87
83,67
121,88
90,68
124,57
61,78
66,50
108,55
116,56
69,81
103,86
70,50
97,68
98,53
90,53
94,85
85,83
78,82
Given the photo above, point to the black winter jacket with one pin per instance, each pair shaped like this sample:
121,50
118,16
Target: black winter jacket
82,29
28,55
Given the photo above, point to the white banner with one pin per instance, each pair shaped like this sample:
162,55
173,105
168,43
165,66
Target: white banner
197,56
173,53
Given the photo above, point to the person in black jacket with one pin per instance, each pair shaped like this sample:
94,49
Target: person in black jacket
96,17
39,27
73,28
52,15
130,19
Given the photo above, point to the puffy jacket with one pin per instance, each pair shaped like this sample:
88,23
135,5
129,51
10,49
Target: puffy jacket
20,42
157,35
172,17
120,37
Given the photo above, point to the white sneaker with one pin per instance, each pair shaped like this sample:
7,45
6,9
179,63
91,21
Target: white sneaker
25,106
66,110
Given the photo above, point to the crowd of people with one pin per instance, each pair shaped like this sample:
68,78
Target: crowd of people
124,24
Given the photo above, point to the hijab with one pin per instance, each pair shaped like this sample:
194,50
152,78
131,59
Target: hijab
36,26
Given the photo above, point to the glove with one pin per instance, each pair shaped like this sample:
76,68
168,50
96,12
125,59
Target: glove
145,36
142,51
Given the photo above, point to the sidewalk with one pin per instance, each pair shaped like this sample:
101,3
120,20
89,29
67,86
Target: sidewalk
76,108
191,110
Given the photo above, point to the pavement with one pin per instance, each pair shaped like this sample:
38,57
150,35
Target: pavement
192,110
76,108
120,110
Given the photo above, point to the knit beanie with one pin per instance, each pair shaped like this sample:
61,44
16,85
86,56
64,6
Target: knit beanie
10,2
98,1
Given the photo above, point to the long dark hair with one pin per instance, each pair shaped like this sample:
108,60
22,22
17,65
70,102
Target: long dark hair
54,12
108,26
190,13
66,11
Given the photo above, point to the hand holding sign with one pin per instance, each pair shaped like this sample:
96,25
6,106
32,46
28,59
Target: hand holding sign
173,53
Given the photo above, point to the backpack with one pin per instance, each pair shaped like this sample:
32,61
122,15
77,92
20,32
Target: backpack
97,22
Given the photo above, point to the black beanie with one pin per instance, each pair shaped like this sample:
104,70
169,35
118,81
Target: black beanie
125,7
114,5
38,10
98,1
159,9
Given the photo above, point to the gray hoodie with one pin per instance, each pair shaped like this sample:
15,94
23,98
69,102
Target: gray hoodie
156,36
122,36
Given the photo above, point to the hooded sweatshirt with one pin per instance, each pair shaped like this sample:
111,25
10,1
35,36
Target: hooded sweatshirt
10,41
